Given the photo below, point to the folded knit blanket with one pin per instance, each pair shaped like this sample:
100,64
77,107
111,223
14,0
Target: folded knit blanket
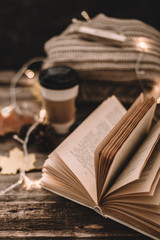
108,50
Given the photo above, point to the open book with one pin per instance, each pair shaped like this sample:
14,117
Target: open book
111,163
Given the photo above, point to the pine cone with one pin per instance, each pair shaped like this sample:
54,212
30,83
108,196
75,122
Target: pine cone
43,137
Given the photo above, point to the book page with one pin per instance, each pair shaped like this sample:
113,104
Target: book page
144,215
146,184
114,147
140,200
129,219
131,143
61,188
135,166
77,150
107,139
111,134
148,179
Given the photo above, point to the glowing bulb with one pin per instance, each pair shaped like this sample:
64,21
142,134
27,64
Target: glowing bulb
42,115
141,43
37,183
6,112
29,73
85,15
155,92
30,184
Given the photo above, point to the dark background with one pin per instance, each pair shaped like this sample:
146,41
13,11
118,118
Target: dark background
25,25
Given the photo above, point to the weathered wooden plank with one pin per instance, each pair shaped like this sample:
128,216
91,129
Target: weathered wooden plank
37,214
71,235
57,219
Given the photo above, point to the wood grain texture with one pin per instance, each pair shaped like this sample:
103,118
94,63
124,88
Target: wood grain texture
39,214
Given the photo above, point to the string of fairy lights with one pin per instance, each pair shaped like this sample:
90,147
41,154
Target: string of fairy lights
38,119
141,45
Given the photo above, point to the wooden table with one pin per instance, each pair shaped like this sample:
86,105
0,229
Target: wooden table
37,213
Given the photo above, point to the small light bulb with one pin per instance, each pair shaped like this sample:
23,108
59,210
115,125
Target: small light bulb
85,15
158,100
42,115
30,184
6,112
29,73
142,44
38,183
155,92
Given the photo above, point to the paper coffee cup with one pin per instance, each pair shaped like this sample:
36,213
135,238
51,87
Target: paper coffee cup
59,89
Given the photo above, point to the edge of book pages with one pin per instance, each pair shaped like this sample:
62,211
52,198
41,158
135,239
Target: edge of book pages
98,210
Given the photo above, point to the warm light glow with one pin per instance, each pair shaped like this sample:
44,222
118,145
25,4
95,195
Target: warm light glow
30,184
6,111
29,73
85,15
42,115
141,43
155,92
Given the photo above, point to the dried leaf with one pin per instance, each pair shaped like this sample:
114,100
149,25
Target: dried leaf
13,122
15,162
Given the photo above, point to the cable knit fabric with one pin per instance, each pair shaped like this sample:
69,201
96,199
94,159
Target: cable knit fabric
103,63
